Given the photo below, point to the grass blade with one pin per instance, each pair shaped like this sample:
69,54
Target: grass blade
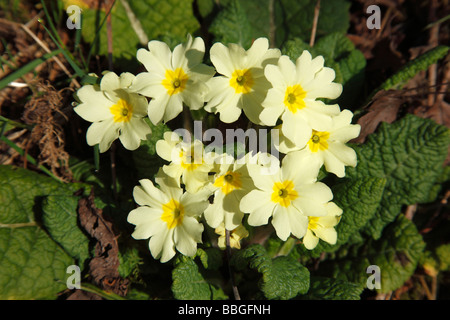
27,68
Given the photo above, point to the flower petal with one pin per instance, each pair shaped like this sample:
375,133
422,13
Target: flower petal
310,241
158,58
221,59
296,129
187,235
148,84
95,106
110,82
326,234
162,246
147,221
174,107
157,108
281,223
102,133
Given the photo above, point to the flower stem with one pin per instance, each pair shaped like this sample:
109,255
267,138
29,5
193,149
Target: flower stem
287,247
228,251
113,169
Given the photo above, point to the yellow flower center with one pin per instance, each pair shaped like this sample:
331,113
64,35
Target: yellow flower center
190,160
283,193
294,98
313,222
242,81
229,182
318,141
175,81
122,111
173,213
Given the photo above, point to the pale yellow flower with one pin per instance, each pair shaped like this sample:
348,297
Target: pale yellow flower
236,235
288,196
241,84
189,164
329,147
173,79
294,96
323,227
115,112
230,183
168,217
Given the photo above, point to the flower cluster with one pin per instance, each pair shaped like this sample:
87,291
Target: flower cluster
198,187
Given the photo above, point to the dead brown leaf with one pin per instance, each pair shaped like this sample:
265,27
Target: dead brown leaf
103,268
384,108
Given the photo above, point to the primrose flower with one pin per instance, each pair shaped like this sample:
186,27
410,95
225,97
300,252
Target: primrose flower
189,163
323,227
289,196
173,78
242,85
236,235
168,217
230,183
114,111
328,147
293,97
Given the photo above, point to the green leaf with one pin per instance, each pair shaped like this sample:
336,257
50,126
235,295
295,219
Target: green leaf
282,277
409,70
189,283
299,14
409,154
129,261
60,218
333,289
359,200
232,25
211,258
32,265
396,253
443,256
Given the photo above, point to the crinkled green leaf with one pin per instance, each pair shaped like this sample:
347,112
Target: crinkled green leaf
164,20
299,14
281,278
189,283
129,261
60,218
409,154
396,253
205,7
232,25
333,289
409,70
443,255
211,258
32,265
